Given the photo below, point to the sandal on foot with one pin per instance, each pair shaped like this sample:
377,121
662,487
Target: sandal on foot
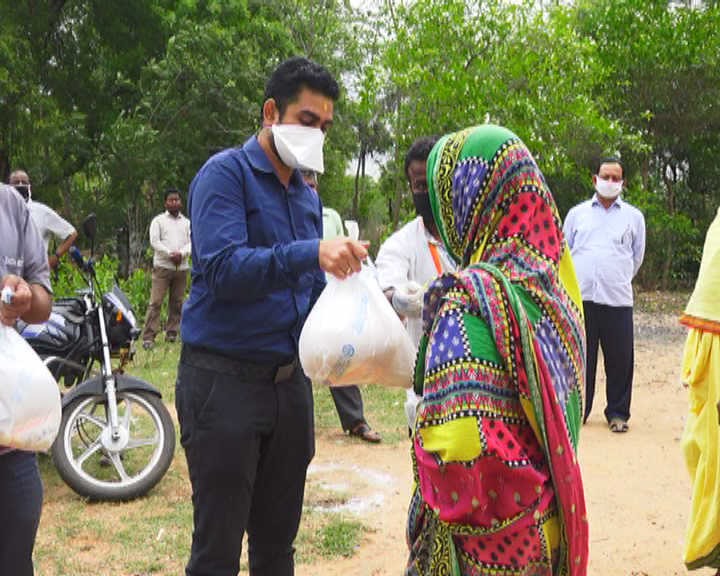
364,432
618,425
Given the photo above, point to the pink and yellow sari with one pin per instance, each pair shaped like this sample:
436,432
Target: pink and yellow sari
498,488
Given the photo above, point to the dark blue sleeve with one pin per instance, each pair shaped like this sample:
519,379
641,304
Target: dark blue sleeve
233,270
320,282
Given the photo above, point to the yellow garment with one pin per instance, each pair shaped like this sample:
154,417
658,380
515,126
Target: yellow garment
454,440
700,445
568,278
704,302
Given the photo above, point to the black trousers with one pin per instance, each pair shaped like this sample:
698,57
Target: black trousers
21,495
248,438
612,328
349,406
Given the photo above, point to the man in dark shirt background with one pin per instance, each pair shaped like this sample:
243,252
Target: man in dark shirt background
244,405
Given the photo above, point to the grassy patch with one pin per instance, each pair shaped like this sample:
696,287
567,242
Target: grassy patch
657,302
340,537
383,409
152,535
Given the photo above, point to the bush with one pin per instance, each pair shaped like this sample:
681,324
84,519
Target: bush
673,244
69,279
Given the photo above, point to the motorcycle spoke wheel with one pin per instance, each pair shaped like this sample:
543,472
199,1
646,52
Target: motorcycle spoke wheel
98,467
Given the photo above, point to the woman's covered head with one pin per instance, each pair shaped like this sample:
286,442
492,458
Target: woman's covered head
490,200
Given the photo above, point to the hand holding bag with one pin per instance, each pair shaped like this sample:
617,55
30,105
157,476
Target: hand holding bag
353,336
30,406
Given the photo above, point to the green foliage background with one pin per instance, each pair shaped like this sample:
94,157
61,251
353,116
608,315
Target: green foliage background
106,104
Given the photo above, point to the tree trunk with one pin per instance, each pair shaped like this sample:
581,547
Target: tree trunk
360,167
645,172
399,189
670,204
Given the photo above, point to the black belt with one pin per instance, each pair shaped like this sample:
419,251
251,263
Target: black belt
218,362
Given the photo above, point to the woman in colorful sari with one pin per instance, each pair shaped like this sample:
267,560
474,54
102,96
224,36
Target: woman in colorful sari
701,438
500,367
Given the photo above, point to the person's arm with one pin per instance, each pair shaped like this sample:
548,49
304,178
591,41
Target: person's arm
393,265
62,249
638,245
31,302
568,228
186,248
155,241
319,281
62,230
235,271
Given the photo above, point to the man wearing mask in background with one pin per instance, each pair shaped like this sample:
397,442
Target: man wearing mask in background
170,240
46,220
606,237
348,399
244,404
413,255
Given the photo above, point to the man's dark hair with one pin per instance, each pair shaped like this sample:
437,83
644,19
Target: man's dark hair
419,150
291,76
609,160
170,191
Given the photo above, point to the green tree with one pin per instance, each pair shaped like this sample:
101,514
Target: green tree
664,66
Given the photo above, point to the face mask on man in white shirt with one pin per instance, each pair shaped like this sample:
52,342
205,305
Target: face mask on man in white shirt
608,189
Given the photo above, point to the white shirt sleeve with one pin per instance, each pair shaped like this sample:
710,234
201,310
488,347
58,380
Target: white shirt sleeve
186,247
155,238
568,230
638,245
393,262
50,223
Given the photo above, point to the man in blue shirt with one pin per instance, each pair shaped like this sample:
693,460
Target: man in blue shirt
244,405
606,237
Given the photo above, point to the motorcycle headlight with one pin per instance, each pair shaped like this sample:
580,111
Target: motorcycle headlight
121,323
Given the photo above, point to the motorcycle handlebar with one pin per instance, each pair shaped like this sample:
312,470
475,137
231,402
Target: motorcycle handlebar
77,257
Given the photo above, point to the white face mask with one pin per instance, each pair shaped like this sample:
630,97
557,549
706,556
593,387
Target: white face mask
608,189
299,146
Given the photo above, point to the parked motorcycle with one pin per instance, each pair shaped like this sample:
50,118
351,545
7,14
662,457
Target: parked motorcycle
116,438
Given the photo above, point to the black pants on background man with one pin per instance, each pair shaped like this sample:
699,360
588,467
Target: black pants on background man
235,418
610,327
349,406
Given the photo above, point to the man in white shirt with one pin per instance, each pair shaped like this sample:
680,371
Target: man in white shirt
606,237
413,255
46,220
170,240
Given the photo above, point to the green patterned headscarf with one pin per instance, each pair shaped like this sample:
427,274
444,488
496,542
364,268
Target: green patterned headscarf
502,335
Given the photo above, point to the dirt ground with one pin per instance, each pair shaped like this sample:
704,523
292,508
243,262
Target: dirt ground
636,485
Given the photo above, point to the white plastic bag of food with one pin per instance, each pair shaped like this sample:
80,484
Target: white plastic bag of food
30,407
353,336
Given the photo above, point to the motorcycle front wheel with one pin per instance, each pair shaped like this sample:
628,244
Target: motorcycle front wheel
100,467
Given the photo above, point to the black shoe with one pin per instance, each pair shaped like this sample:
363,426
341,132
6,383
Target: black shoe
148,344
170,337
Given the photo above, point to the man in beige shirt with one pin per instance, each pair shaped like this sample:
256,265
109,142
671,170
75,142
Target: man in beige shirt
170,239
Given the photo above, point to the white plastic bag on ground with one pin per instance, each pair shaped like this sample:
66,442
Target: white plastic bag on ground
353,336
30,409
